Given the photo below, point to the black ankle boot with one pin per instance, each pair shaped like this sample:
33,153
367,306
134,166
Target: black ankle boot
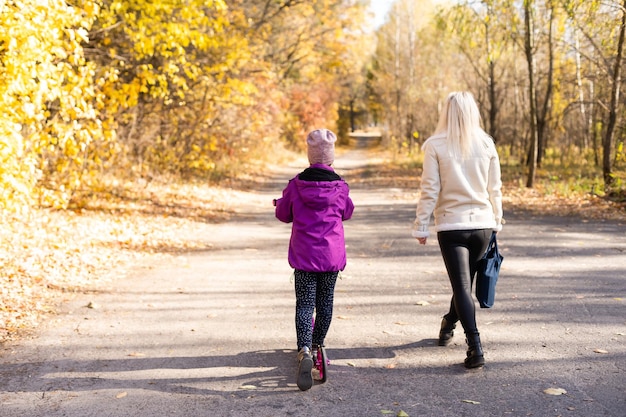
475,357
446,332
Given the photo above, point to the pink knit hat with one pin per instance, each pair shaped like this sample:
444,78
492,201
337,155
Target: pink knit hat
321,146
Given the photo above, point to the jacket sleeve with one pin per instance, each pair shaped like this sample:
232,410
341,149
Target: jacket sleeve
429,193
494,188
284,205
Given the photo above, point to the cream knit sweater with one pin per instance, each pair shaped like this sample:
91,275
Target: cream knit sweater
462,194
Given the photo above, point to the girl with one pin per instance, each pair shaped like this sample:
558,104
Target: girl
317,202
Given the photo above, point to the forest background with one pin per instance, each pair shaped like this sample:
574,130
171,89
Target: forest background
125,121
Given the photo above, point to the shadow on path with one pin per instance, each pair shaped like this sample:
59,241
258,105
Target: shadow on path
213,327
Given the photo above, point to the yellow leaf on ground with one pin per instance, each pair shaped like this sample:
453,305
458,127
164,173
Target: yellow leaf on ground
121,395
470,401
554,391
601,351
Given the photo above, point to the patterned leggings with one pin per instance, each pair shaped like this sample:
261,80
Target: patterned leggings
314,290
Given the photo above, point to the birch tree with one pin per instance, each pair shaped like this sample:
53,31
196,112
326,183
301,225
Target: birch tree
602,27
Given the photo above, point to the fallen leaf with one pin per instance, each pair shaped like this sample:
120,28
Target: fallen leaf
601,351
554,391
137,354
422,303
386,412
121,395
470,401
402,414
248,387
390,366
351,364
401,323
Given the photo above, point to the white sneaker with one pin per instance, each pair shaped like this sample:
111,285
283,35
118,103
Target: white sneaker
305,365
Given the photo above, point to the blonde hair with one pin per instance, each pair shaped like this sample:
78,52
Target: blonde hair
460,122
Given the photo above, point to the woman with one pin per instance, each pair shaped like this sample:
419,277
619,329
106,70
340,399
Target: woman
461,186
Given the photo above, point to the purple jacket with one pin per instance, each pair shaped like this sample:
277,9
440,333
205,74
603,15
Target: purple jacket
316,201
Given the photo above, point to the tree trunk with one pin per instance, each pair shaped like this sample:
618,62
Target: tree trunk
595,136
530,59
607,142
352,116
397,131
491,81
543,114
493,107
585,122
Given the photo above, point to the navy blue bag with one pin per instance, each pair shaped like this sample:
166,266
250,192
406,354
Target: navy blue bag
487,272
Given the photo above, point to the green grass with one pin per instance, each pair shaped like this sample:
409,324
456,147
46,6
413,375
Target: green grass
564,176
568,178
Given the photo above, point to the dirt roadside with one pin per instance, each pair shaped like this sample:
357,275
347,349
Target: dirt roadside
211,333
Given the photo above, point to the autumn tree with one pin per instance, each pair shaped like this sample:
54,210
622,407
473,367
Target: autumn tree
602,28
481,31
50,134
306,47
407,75
546,75
169,74
529,48
352,78
540,105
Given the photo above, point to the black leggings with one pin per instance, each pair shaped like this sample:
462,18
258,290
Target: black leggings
461,250
314,290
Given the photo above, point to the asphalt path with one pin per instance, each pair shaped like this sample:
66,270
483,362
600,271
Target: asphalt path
212,333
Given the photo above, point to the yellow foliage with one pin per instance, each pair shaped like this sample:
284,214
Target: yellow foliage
170,85
46,91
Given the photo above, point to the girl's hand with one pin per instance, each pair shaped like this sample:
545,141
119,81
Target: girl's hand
422,240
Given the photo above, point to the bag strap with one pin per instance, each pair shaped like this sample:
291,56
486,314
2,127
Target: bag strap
493,241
